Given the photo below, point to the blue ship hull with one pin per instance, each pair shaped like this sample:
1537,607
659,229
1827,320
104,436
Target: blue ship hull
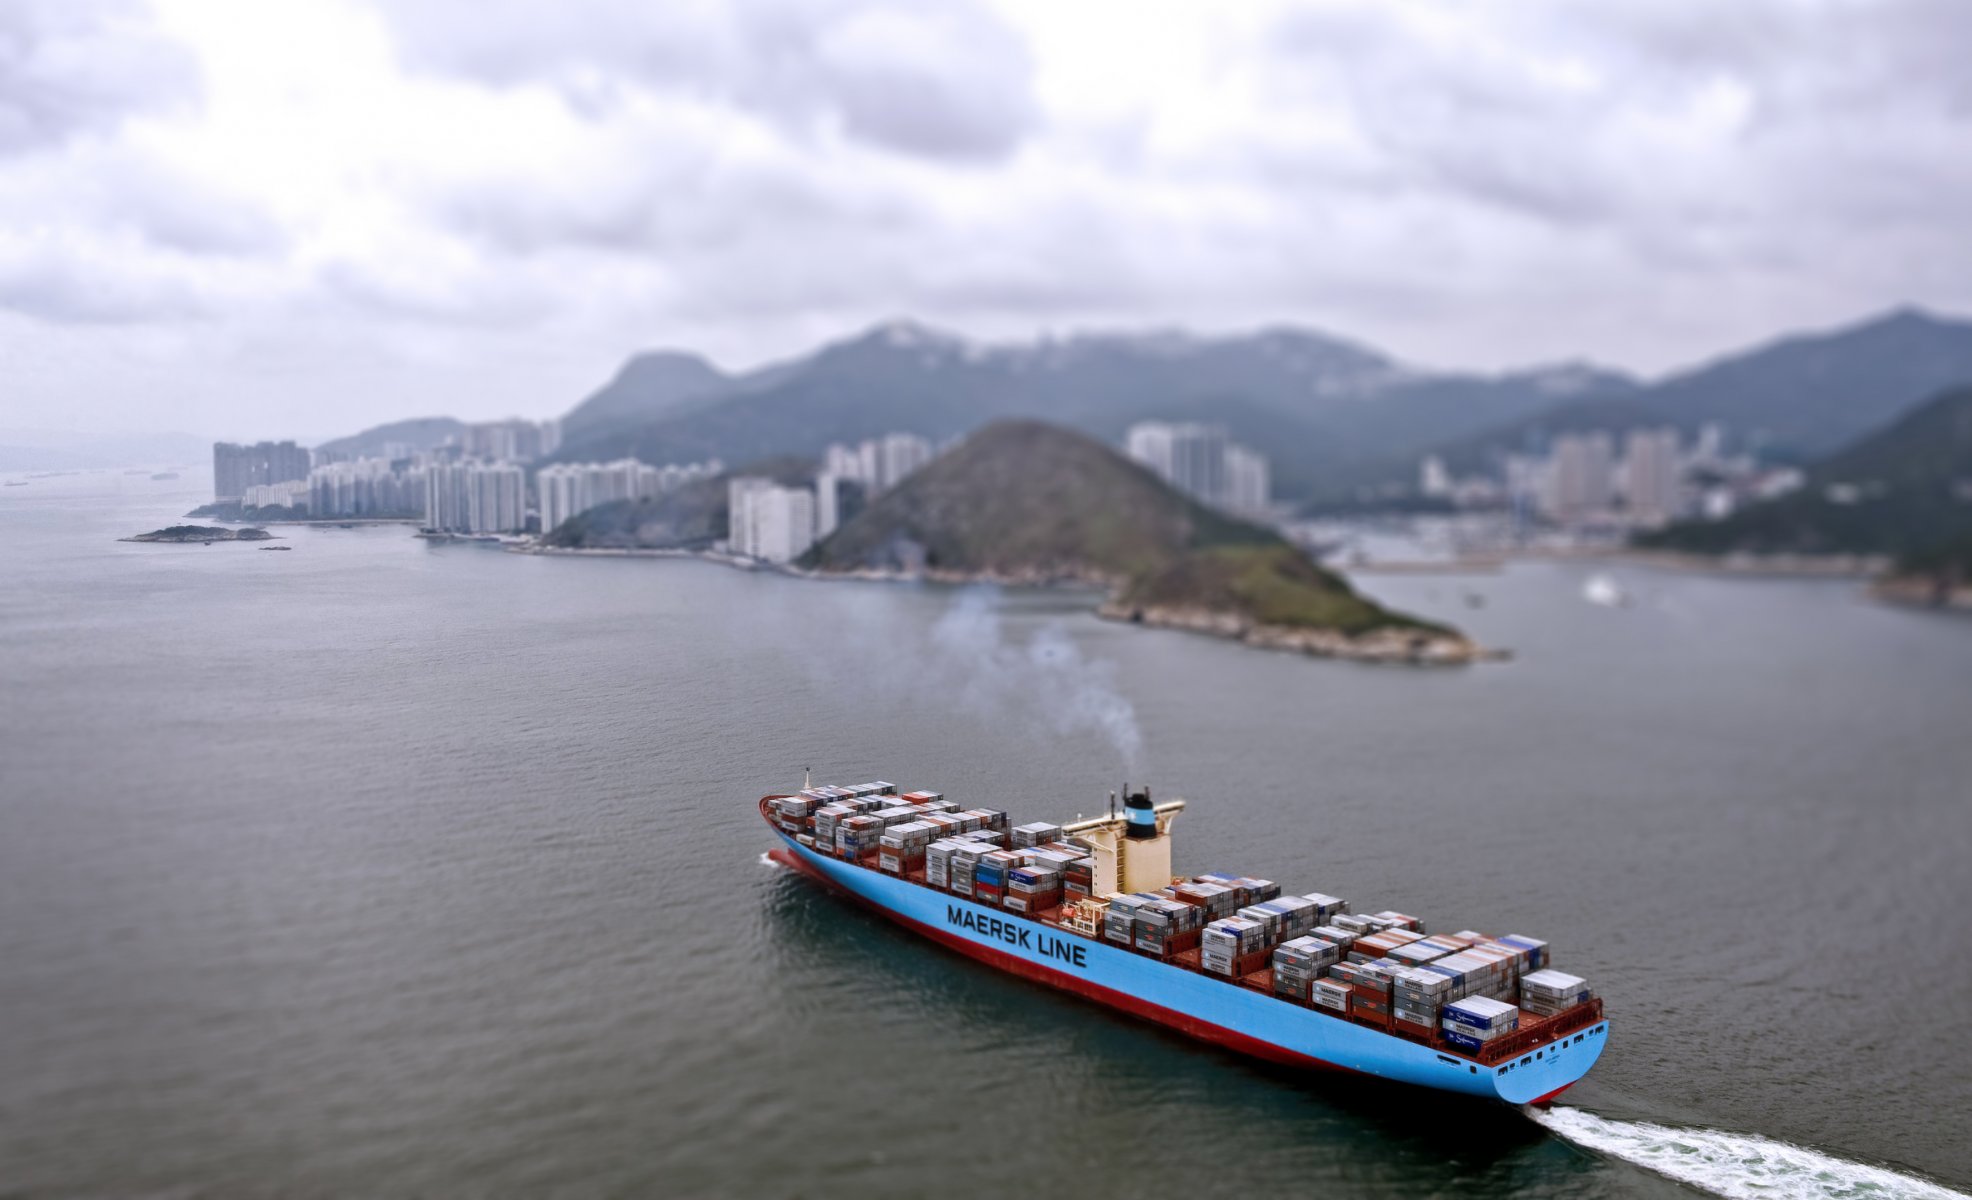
1200,1005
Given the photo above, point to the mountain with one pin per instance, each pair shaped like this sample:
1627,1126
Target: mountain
647,387
1027,502
1315,403
1905,490
1802,397
419,433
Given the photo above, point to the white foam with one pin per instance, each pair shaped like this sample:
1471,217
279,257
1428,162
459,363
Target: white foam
767,859
1736,1165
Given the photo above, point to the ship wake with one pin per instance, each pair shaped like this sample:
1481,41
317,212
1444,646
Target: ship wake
1735,1165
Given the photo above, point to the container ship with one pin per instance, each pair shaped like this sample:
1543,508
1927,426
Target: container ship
1092,907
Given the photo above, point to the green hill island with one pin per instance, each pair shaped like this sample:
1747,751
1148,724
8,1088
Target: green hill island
1027,503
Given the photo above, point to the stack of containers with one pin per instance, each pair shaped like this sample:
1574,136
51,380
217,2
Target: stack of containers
1342,938
1164,927
989,818
1299,963
1034,834
1402,921
859,836
1216,899
879,788
1369,988
989,876
1327,907
965,857
946,824
1268,918
1330,995
1034,888
1546,993
1233,946
1079,880
1372,946
926,798
1358,926
938,861
1259,890
1297,916
896,814
902,847
1537,958
1119,918
1418,952
791,813
827,817
1416,995
1469,1024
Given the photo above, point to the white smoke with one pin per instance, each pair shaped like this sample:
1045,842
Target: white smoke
1045,683
1736,1165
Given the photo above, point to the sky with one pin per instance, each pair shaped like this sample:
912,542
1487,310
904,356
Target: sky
302,217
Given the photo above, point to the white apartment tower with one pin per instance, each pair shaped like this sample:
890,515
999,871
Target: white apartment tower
1580,484
1650,468
768,521
1202,462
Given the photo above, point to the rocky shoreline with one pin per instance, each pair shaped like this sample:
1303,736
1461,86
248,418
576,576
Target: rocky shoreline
1925,591
1391,644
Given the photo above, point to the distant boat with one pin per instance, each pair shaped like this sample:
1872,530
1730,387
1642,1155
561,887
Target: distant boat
1601,589
165,475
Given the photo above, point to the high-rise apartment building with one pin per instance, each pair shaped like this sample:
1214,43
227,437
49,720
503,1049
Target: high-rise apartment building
879,464
366,487
236,467
1580,480
475,497
768,521
566,489
1201,461
510,441
1650,470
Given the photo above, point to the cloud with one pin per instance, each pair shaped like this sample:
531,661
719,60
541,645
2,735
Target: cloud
70,67
946,81
273,192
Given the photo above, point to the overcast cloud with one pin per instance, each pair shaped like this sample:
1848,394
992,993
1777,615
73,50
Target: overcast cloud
302,217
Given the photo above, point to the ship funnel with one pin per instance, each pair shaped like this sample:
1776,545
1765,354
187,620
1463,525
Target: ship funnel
1141,816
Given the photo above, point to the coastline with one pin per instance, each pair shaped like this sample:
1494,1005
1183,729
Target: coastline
1389,645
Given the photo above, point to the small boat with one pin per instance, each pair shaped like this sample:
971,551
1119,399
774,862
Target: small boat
1601,589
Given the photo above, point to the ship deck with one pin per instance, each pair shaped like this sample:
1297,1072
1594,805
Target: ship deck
1060,919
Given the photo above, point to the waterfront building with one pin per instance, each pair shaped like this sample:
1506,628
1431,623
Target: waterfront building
292,495
475,497
879,464
1201,461
1579,479
510,441
237,467
565,489
367,487
1432,477
828,505
1650,475
768,521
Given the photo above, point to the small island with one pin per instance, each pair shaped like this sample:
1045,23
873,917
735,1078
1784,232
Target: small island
1023,502
204,534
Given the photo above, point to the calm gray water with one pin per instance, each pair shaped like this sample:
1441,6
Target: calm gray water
373,868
